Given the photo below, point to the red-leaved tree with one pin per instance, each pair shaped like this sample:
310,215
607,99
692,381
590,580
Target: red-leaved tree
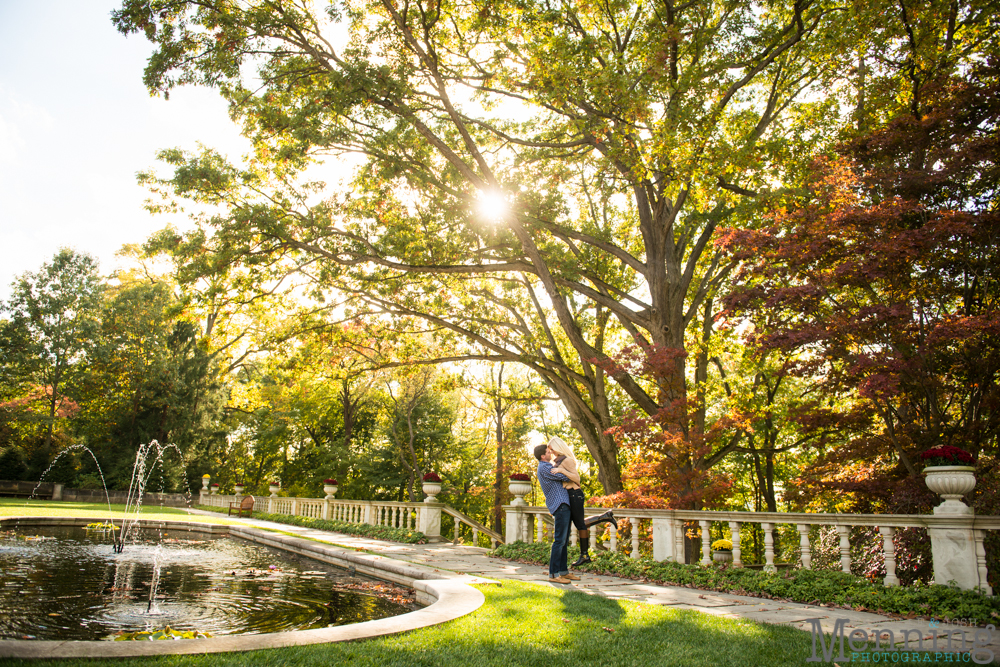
884,280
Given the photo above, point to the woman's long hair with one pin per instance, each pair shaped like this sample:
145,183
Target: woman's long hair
561,448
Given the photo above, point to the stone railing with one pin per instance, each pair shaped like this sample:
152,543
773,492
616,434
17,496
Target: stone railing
956,539
424,517
955,532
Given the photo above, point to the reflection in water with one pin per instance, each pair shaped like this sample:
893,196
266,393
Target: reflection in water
76,587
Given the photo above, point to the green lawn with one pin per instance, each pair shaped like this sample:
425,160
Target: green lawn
530,624
20,507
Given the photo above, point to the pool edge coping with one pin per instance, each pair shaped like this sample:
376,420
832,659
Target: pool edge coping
448,596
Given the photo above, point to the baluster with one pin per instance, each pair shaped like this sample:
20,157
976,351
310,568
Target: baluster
706,542
768,547
845,548
734,528
614,536
679,529
574,537
458,527
984,585
634,521
889,550
805,553
475,536
595,538
539,528
525,526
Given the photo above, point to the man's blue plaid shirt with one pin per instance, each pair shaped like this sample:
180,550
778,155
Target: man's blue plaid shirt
555,494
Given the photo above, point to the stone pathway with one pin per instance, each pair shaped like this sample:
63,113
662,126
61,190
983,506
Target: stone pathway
475,564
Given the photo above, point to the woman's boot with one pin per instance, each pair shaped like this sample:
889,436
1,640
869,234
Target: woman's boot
584,548
607,517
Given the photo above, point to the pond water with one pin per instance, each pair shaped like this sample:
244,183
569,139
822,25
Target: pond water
67,583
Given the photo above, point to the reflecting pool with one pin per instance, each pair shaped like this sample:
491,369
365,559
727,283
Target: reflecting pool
68,583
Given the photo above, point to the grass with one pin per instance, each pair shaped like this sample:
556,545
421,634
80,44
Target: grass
832,588
19,507
524,624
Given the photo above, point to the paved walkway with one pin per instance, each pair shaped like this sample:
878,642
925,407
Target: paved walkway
475,564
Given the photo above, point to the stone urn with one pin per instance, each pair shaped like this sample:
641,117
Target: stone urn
204,482
214,489
431,489
329,490
951,483
239,489
274,488
722,555
520,489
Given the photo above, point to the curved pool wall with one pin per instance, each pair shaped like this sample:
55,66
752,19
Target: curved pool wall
446,597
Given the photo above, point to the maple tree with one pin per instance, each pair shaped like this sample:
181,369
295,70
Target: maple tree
883,278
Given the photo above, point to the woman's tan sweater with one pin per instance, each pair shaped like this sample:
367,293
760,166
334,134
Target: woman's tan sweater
567,466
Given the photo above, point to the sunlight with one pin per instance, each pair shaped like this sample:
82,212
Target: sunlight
492,205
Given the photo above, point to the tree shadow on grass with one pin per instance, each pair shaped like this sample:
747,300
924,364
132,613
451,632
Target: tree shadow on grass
530,625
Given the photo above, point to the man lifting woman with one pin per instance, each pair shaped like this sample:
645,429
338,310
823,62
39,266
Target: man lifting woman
559,477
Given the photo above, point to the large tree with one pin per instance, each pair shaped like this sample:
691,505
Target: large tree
53,316
611,141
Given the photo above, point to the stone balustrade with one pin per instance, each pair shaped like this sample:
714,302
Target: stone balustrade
425,517
956,539
959,556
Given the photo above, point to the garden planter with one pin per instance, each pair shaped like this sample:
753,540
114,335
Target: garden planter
520,489
951,483
431,489
722,556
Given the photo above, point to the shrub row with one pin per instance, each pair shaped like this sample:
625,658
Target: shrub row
360,529
826,587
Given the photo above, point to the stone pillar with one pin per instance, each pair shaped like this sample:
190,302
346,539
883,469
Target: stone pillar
844,532
57,491
805,552
954,554
734,527
769,547
514,524
430,520
706,542
953,548
889,554
663,539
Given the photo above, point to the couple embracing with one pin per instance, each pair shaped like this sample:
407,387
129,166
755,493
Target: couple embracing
560,481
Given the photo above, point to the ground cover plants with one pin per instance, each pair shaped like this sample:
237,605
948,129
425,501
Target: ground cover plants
825,587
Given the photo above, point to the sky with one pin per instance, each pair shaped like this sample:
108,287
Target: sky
76,124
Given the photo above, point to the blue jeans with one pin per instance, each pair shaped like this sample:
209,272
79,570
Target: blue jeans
560,542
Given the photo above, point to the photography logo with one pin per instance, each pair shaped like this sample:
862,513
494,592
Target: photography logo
944,643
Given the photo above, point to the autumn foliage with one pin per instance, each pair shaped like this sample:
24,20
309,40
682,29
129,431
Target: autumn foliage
669,453
882,281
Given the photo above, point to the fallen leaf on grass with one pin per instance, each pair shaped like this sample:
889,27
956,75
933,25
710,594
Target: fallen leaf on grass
608,629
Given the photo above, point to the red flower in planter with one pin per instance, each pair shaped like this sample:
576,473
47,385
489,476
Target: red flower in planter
332,482
432,477
946,455
520,477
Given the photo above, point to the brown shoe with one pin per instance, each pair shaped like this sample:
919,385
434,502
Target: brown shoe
559,580
572,576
